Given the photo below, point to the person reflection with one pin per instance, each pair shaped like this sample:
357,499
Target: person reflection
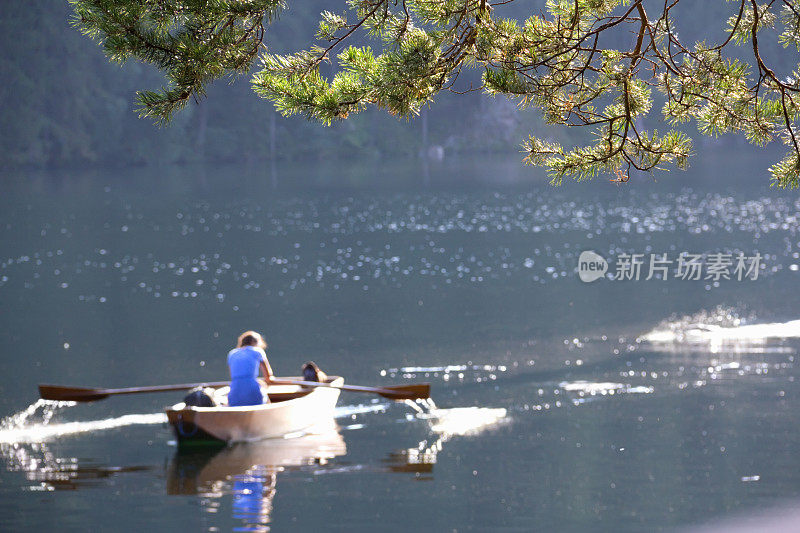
247,473
252,498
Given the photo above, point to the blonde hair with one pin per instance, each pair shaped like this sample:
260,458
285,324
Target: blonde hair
251,338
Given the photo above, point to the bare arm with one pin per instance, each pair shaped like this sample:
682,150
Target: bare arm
266,370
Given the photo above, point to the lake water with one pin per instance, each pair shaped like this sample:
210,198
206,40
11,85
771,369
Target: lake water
615,405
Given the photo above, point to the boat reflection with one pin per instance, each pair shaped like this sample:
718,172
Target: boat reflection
47,472
412,462
241,478
248,472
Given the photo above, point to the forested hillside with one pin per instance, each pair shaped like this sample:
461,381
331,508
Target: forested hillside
65,104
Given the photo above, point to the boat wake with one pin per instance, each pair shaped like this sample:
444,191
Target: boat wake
462,421
343,411
446,424
25,442
719,328
33,424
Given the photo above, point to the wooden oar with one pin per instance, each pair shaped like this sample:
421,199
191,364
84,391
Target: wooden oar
393,392
86,394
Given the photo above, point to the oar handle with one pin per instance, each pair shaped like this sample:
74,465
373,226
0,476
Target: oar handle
393,392
161,388
87,394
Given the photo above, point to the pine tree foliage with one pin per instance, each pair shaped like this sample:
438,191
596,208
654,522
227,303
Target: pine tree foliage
192,41
564,60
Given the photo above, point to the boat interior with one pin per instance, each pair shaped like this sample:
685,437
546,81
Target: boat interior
276,393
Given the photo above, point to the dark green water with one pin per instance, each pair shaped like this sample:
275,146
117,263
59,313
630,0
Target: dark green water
462,274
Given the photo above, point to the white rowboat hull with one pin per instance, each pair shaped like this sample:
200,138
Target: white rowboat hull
292,409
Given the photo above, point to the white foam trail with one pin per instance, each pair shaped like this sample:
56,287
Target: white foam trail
448,423
17,429
444,369
418,369
464,420
591,388
603,388
48,409
413,405
711,333
44,432
587,391
349,410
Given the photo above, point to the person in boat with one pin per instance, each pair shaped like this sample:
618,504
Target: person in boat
311,372
245,361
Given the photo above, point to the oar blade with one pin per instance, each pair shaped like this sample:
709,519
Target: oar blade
70,394
416,391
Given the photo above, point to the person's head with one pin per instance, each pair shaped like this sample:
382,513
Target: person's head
251,338
311,371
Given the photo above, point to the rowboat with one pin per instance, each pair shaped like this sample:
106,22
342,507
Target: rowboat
295,406
292,409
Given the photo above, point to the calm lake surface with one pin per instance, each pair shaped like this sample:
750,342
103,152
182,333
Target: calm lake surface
560,405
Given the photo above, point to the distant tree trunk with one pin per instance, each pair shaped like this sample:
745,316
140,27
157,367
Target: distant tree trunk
424,150
272,151
202,126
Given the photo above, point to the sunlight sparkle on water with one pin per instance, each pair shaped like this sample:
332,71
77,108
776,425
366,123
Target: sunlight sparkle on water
433,256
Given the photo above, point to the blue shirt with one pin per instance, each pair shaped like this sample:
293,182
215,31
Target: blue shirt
244,363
